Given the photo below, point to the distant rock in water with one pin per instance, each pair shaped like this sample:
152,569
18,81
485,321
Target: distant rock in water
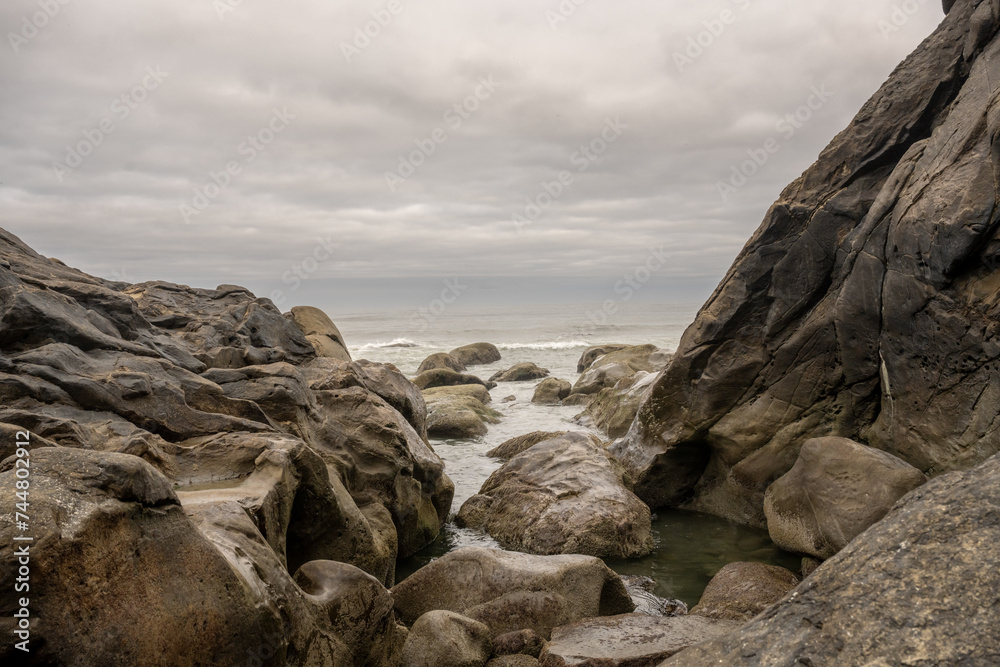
476,354
440,360
865,306
520,373
443,377
591,354
551,391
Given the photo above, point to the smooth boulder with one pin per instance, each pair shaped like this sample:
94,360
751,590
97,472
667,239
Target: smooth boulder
520,373
321,332
476,354
836,489
620,365
455,412
443,377
594,352
440,360
561,496
740,591
446,639
551,391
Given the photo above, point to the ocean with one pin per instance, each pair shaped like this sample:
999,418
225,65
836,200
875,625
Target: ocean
691,548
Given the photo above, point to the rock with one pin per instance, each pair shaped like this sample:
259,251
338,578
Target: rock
614,367
477,391
511,448
520,373
458,414
440,360
740,591
521,642
628,640
511,591
442,377
551,391
359,608
476,354
613,410
563,495
642,591
320,331
578,399
809,566
593,353
446,639
513,661
836,489
509,399
899,594
863,306
116,519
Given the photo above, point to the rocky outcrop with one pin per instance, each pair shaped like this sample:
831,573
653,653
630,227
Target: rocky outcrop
565,495
443,377
898,594
459,412
630,640
740,591
551,391
520,373
865,306
511,591
834,492
476,354
321,332
511,448
614,409
440,360
446,639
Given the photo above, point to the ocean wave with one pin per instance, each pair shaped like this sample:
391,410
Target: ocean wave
398,342
553,345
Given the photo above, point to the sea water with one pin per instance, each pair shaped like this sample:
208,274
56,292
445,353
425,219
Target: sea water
690,548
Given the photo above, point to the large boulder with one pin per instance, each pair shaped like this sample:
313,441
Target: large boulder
836,489
551,391
917,588
511,591
740,591
457,412
520,373
321,332
440,360
511,448
446,639
476,354
629,640
863,307
561,496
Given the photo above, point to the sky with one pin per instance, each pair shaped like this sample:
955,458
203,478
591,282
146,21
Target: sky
361,153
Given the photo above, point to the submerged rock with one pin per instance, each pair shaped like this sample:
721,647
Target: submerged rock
476,354
836,490
443,377
564,495
520,373
512,591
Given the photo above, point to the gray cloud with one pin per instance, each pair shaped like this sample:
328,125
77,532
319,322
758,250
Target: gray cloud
324,176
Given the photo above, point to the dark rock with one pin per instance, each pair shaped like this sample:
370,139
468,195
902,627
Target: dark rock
520,373
551,391
562,496
834,492
740,591
899,594
476,354
863,307
511,448
511,591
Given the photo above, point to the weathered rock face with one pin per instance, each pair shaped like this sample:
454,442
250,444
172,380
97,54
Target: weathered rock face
446,639
551,391
520,373
321,332
630,640
836,490
565,495
476,354
511,591
740,591
898,594
865,306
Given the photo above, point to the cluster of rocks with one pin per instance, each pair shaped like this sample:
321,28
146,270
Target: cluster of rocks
457,402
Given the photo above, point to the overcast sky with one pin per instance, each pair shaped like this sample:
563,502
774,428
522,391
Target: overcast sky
183,86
